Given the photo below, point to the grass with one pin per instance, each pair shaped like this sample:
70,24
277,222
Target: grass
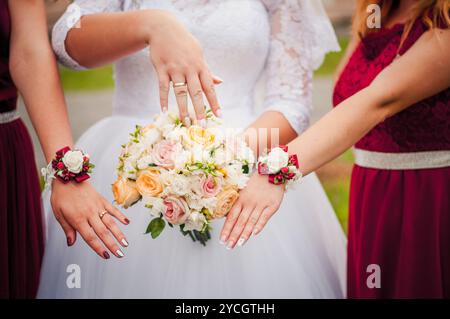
332,60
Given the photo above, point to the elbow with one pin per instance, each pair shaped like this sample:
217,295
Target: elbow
385,100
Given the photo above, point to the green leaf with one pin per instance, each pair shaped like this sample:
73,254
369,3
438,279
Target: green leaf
245,169
155,227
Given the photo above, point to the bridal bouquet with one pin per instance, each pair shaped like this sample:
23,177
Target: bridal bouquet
184,176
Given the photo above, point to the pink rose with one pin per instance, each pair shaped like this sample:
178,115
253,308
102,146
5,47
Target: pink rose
211,186
177,210
164,154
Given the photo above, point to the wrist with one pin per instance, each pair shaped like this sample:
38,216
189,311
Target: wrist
153,21
279,166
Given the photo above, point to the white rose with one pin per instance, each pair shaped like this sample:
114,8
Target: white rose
180,185
73,161
150,137
183,158
195,221
176,134
235,176
276,159
155,204
199,154
144,162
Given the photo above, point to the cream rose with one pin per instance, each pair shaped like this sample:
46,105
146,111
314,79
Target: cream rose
74,161
276,159
148,183
225,200
177,210
125,192
199,135
195,221
164,153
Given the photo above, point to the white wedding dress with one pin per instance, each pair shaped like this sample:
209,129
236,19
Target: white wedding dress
302,251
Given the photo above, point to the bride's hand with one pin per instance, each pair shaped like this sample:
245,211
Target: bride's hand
178,57
78,208
255,206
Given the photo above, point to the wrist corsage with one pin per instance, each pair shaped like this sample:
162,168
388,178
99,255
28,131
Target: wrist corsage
68,165
281,167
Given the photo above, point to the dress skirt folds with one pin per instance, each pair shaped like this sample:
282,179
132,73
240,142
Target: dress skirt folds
21,234
400,221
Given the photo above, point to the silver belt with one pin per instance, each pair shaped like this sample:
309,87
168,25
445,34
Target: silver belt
413,160
9,116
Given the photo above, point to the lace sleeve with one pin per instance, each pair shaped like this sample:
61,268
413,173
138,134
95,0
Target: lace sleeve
300,38
70,20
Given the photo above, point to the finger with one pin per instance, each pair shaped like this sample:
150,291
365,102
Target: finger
105,236
232,217
164,86
108,220
92,240
196,93
251,222
181,94
263,219
210,92
113,211
71,234
239,227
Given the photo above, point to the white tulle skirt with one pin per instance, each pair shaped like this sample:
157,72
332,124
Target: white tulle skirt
300,254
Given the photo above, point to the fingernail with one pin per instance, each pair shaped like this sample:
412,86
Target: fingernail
127,221
241,241
106,255
255,231
164,109
219,113
218,79
202,123
229,245
69,241
124,242
187,121
119,253
223,240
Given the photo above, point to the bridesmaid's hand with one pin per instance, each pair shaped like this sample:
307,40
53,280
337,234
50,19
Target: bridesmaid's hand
178,57
255,206
78,208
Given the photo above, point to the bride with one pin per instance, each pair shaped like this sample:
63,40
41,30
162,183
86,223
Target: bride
302,251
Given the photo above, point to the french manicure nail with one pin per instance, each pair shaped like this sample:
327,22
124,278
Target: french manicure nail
187,121
219,113
223,240
124,242
229,245
119,253
241,241
202,123
106,255
164,109
255,231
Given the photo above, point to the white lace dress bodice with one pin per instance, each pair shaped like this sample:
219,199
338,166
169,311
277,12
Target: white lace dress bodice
283,39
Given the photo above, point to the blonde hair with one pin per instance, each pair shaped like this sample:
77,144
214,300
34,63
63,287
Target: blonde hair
432,13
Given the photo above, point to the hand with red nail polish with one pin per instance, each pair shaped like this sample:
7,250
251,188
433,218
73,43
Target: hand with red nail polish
80,208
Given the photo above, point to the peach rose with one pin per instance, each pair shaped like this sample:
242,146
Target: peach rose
177,210
225,200
125,192
211,185
201,136
164,153
148,183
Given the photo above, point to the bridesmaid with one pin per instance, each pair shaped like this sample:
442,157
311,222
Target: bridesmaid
393,101
27,64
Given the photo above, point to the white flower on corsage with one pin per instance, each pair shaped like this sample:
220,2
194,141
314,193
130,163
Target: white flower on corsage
275,160
74,160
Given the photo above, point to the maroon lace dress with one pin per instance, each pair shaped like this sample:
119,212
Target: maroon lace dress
399,218
21,235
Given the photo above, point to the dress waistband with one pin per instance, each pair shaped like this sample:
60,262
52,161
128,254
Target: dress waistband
8,117
402,161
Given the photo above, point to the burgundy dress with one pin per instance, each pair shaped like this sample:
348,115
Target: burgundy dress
21,233
399,218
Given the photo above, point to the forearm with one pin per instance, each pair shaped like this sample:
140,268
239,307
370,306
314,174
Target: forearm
105,37
270,129
36,76
338,130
